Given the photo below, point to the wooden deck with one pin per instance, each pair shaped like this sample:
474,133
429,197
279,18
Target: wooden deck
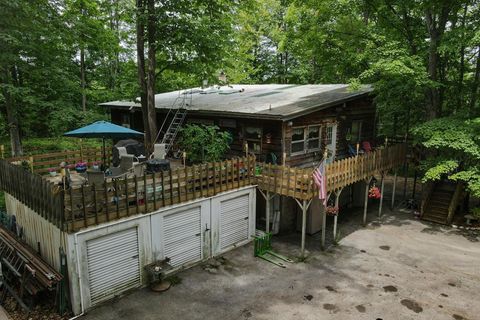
88,205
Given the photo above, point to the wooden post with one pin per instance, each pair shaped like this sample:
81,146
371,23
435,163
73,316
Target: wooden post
394,189
304,207
381,195
335,218
267,212
31,163
2,151
365,204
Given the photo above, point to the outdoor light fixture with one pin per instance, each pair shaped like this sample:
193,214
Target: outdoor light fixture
268,138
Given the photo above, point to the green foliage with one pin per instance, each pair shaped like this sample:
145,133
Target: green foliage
204,143
2,202
452,150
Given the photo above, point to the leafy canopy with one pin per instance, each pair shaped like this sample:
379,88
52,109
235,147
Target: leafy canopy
204,143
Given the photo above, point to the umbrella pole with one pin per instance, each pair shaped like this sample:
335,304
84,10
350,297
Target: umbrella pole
104,163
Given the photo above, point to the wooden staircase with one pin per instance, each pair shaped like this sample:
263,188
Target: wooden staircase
441,202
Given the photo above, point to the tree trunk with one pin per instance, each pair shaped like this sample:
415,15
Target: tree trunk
462,61
475,85
12,119
436,24
152,113
82,78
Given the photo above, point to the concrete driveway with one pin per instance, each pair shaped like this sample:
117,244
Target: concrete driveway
398,268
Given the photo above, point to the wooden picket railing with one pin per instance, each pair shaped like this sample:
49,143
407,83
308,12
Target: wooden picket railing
115,199
298,182
33,190
40,163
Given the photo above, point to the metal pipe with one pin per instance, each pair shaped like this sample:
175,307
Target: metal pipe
304,226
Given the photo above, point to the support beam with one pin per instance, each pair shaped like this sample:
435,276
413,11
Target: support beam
394,189
381,195
335,218
267,212
324,224
304,206
365,204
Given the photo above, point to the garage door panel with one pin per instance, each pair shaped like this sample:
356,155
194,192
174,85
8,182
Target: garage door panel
234,222
182,236
113,264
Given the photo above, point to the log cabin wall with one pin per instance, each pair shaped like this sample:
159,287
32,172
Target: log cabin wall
360,111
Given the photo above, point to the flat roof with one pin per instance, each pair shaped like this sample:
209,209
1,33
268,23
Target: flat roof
263,101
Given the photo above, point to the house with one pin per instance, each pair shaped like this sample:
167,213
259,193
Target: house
286,124
290,123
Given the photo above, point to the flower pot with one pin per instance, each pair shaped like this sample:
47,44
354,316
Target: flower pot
81,169
52,173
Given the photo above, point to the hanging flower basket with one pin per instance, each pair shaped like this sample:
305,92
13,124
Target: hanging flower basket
374,193
331,210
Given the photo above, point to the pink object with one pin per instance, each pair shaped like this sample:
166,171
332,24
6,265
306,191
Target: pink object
321,182
366,146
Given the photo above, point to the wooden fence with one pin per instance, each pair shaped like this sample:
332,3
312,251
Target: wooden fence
284,180
91,205
32,190
40,163
298,182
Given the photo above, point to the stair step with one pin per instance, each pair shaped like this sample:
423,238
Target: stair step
435,215
440,221
435,211
437,207
440,201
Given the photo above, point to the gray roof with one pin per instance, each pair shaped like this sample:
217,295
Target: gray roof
265,101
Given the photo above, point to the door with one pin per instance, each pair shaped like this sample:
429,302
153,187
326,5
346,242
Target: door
331,142
113,264
234,221
183,239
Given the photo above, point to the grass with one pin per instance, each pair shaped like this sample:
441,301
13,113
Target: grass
2,201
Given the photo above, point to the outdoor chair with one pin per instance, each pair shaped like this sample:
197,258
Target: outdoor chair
159,151
96,178
353,151
126,166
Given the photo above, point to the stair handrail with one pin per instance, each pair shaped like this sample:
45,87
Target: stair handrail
428,191
454,202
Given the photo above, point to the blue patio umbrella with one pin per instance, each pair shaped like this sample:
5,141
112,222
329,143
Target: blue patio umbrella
104,130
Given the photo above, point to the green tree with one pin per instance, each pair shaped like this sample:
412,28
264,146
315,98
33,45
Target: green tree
204,143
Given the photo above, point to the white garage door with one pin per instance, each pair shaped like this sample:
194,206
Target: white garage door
234,221
183,236
113,264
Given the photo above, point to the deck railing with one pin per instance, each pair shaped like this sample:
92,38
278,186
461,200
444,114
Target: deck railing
33,190
89,205
40,163
298,182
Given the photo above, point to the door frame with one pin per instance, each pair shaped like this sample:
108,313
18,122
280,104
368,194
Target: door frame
332,147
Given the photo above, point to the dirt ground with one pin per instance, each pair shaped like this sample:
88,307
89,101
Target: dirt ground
395,268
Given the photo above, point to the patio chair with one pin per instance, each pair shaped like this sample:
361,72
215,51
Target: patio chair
126,166
352,151
96,178
159,151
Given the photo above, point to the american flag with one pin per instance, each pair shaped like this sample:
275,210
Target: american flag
321,182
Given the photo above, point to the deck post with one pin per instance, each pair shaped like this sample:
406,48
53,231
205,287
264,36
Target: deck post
324,224
381,195
365,204
304,206
267,212
335,218
394,189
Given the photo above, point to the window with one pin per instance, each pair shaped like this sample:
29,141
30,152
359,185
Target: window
356,131
126,120
313,138
305,139
253,138
329,138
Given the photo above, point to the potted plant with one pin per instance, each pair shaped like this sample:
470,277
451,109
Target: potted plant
96,165
81,167
374,193
331,210
52,172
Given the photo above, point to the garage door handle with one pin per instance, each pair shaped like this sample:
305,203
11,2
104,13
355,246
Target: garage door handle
246,218
135,256
197,235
